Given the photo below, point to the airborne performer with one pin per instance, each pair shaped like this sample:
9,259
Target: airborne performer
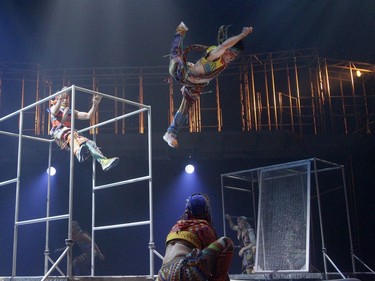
194,77
61,131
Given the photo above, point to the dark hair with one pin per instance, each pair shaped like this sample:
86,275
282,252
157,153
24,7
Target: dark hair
240,46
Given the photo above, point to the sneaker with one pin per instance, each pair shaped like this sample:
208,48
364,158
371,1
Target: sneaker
170,139
109,163
182,28
83,153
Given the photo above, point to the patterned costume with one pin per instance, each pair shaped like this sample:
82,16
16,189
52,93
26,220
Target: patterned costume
246,235
209,258
185,72
61,117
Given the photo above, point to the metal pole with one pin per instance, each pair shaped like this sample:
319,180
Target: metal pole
320,219
152,244
348,218
15,233
274,94
46,250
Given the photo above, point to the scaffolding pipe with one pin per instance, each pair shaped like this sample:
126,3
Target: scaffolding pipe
256,119
274,94
354,96
290,98
267,98
218,106
298,96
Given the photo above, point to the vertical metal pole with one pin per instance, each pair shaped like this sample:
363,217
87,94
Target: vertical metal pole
123,107
248,100
218,106
343,106
348,218
256,120
320,218
267,97
37,120
71,182
93,215
46,250
152,245
328,94
116,106
368,131
313,102
298,97
274,94
242,98
290,98
15,233
354,97
141,115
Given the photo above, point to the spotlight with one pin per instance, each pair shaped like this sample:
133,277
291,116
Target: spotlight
358,73
51,171
189,169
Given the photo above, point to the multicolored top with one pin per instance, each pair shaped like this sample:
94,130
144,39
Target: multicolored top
63,117
198,233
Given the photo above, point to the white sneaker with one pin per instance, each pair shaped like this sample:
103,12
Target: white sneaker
182,28
109,163
83,153
170,139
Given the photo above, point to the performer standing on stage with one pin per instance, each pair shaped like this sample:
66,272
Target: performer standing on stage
194,77
246,235
61,116
81,263
194,253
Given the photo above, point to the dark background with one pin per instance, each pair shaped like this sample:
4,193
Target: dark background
96,33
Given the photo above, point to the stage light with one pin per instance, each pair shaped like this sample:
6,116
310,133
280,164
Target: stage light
51,171
358,73
189,169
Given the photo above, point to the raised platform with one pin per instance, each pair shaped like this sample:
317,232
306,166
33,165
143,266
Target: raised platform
233,277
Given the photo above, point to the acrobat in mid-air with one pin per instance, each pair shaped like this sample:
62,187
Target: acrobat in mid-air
195,76
61,131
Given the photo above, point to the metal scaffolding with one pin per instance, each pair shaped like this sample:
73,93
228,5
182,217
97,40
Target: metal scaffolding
297,91
49,264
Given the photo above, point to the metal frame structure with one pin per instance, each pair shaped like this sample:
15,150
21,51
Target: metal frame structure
249,181
292,90
140,108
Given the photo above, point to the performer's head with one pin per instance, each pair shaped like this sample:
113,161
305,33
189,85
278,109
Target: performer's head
242,222
64,97
198,207
76,228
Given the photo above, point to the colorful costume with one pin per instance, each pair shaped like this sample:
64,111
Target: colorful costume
83,147
193,84
209,258
248,238
246,235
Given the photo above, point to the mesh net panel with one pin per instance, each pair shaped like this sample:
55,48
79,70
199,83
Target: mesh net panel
283,219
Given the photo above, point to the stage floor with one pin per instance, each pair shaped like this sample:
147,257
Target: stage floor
236,277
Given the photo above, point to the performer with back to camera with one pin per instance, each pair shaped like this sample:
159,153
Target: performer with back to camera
61,116
246,236
194,77
193,251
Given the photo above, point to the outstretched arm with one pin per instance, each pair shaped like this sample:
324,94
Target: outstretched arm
87,115
229,43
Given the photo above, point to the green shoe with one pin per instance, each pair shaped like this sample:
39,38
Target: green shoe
109,163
